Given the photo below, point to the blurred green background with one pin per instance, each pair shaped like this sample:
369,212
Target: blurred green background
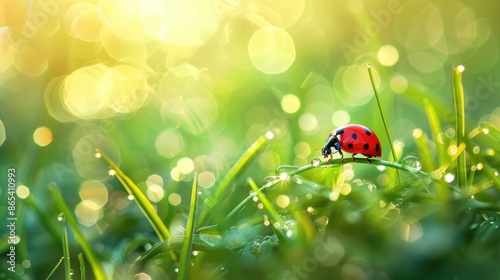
170,88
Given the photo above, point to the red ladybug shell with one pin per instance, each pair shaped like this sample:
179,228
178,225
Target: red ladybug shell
358,139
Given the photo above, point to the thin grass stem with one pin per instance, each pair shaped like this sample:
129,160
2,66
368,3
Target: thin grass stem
187,245
458,99
94,262
384,121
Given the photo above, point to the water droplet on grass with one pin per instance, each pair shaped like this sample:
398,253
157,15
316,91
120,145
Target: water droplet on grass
315,162
60,217
286,169
270,180
412,162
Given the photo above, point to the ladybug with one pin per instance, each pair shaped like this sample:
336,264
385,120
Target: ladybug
355,139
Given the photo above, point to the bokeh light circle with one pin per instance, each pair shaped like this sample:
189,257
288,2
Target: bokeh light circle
271,50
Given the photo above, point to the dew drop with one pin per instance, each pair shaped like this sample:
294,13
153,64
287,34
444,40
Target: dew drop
284,176
315,162
286,169
71,272
176,270
199,192
130,197
321,222
98,155
269,180
60,217
112,172
412,162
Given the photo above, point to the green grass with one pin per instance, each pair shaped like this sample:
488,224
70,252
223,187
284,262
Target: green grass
336,221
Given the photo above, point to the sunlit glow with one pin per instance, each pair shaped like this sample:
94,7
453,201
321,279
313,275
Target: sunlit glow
155,192
302,149
308,122
351,85
271,50
206,179
461,68
42,136
94,191
388,55
176,174
169,143
269,160
174,199
87,213
340,118
112,172
345,189
22,191
417,133
269,135
449,177
185,165
283,201
479,166
399,84
452,150
290,103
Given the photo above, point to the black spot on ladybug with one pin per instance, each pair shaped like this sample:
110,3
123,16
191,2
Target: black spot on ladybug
377,147
354,136
368,132
350,145
366,146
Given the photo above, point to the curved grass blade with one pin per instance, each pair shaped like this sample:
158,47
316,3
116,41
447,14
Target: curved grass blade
273,213
435,129
143,203
67,264
187,244
458,100
80,238
55,268
235,170
375,91
82,266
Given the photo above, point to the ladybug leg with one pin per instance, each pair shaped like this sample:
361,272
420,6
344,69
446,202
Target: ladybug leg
368,159
341,156
353,158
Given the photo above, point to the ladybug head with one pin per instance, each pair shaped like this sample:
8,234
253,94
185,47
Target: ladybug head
332,145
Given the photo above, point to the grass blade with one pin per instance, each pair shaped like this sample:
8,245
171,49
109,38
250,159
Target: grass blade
273,213
187,245
458,98
87,249
66,256
235,170
375,91
82,266
435,129
55,268
144,204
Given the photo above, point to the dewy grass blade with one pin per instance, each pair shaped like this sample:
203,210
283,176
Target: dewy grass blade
273,213
436,130
142,201
80,238
55,268
375,91
82,266
65,245
458,98
235,170
187,245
